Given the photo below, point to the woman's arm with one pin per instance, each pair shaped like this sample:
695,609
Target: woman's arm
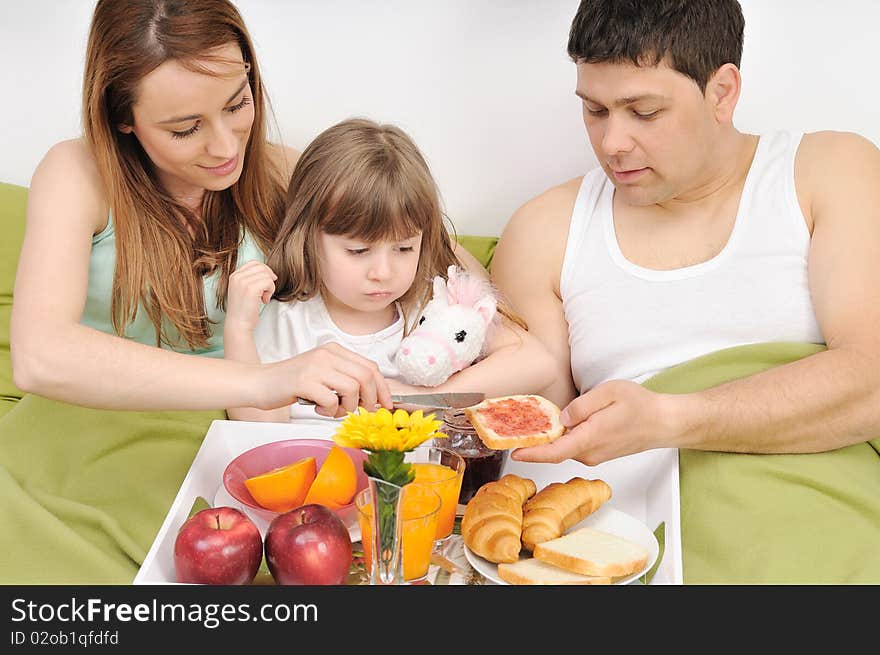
55,356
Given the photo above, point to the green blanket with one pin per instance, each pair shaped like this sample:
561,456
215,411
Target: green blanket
774,519
85,491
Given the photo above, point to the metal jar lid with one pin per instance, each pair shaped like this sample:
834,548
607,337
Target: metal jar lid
457,420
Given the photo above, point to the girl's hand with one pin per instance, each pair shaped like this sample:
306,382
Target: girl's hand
251,286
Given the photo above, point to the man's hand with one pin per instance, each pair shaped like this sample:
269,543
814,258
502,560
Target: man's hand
611,420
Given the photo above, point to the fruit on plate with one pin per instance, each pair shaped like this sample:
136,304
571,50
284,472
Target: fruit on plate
285,487
336,481
309,545
219,545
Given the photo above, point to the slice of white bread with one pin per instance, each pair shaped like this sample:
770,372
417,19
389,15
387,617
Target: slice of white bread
534,571
593,552
480,416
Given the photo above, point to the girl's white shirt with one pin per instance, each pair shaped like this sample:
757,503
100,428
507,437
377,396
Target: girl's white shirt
286,329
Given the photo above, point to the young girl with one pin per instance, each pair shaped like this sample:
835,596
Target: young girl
361,241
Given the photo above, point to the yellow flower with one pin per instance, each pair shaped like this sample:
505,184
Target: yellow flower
382,431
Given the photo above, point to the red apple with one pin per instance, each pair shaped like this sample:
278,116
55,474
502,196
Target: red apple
219,545
308,545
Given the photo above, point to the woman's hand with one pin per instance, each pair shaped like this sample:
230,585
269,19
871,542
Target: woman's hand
251,286
335,378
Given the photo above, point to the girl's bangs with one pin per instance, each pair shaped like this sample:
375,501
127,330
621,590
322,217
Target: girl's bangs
380,214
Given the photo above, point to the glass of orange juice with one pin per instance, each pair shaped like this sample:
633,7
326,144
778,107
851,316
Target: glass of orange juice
420,508
439,469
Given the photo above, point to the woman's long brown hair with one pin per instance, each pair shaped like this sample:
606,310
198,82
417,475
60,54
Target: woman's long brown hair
159,264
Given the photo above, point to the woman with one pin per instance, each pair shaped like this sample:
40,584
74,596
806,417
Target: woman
133,230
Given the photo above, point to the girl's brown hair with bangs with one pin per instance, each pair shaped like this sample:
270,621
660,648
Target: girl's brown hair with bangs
368,181
159,264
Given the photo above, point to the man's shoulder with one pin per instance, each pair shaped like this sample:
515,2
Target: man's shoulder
538,232
829,164
556,196
549,209
828,149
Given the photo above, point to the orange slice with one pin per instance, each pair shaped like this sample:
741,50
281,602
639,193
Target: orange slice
285,487
336,482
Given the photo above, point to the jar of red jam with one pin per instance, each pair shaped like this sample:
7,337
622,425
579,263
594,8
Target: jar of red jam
482,464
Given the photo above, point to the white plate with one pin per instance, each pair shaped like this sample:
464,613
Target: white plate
606,519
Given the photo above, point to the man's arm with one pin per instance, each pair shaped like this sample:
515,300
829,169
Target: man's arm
822,402
526,269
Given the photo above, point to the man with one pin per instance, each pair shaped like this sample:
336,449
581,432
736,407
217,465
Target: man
691,238
688,289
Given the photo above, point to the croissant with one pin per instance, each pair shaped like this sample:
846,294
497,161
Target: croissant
558,506
492,521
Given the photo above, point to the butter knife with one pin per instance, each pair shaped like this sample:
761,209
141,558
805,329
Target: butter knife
451,400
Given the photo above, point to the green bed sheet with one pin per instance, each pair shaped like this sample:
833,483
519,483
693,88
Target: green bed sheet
774,519
85,491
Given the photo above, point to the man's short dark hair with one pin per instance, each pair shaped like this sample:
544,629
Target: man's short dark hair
694,37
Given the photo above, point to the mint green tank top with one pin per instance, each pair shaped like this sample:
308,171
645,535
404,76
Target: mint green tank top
96,314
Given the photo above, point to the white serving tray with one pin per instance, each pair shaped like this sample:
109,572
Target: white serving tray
644,486
224,441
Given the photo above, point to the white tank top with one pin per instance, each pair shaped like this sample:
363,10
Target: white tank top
629,322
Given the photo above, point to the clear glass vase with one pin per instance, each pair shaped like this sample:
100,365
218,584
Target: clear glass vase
380,513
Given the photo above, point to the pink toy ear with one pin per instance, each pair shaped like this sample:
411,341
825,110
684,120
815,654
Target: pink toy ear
440,291
486,308
452,282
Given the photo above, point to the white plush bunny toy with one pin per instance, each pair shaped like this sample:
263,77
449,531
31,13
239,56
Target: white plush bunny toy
451,331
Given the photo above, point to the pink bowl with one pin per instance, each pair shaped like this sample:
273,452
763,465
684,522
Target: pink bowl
281,453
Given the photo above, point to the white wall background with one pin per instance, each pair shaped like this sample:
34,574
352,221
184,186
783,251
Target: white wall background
483,86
